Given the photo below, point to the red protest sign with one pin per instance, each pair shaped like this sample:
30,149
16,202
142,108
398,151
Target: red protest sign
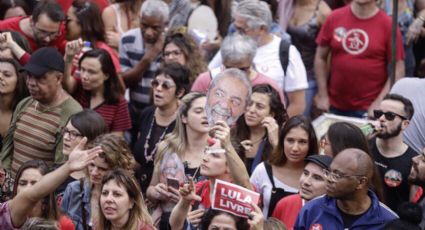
232,198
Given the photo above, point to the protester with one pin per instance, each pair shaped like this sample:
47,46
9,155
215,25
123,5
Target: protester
98,88
13,8
36,128
181,48
215,219
417,177
139,53
304,25
43,28
121,203
169,85
12,91
14,212
391,155
88,124
352,34
84,22
411,88
84,194
14,45
349,203
221,162
120,17
180,154
237,51
279,177
257,132
312,185
253,18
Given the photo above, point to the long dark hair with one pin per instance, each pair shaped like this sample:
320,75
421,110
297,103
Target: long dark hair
243,132
113,88
21,90
48,203
90,20
241,223
344,135
278,156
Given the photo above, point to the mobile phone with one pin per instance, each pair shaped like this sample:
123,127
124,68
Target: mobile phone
173,182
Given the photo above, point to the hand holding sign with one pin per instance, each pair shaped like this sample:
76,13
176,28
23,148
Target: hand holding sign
256,218
222,133
234,199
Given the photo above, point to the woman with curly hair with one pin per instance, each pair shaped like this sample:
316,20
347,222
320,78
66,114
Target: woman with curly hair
127,210
84,194
181,48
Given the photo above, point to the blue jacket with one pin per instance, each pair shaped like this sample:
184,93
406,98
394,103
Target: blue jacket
72,200
322,213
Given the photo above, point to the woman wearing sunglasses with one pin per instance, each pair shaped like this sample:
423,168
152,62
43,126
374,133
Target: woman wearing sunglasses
99,89
169,85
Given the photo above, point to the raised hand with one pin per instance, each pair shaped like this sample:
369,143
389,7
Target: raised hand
80,158
256,218
272,130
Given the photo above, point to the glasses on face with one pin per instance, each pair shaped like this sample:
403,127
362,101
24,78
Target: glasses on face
337,176
71,133
388,115
173,53
166,85
44,34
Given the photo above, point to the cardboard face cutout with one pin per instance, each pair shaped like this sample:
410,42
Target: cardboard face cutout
226,99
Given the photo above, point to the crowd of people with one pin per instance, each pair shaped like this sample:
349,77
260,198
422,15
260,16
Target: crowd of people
126,114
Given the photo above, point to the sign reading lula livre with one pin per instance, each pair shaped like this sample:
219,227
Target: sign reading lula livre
232,198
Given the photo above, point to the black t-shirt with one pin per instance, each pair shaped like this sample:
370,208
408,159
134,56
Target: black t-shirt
349,219
394,173
144,173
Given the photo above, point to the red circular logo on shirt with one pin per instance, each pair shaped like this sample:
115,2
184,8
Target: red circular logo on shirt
316,227
355,41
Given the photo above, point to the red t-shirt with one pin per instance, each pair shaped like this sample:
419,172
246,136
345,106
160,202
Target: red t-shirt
287,210
116,116
361,50
13,24
66,4
202,189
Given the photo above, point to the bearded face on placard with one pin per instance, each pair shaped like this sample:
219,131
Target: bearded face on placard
227,96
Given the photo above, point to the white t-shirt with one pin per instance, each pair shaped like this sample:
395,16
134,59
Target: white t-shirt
262,183
267,62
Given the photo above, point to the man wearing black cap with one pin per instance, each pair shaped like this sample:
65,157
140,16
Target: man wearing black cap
36,128
312,185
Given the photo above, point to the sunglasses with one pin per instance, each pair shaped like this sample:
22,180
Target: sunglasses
388,115
166,85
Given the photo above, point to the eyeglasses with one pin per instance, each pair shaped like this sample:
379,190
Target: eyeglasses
174,53
166,85
44,34
71,133
336,176
388,115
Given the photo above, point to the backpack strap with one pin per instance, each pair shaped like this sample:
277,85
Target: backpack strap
269,171
284,54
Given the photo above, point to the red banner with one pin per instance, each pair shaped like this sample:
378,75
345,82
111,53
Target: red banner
232,198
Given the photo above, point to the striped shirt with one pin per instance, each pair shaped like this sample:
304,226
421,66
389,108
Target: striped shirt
116,116
36,135
131,51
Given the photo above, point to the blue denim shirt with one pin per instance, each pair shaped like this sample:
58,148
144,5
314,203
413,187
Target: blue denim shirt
73,198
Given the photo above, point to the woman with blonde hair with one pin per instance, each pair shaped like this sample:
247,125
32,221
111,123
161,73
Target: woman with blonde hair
84,195
180,153
127,210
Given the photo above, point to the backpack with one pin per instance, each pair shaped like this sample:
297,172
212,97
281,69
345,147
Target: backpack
284,54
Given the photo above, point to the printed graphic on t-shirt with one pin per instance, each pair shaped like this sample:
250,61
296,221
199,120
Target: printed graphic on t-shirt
393,178
316,227
355,41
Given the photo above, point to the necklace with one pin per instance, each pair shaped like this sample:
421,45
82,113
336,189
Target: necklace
149,157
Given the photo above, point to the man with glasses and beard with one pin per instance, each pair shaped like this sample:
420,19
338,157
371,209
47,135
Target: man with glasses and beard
417,177
348,204
43,28
392,156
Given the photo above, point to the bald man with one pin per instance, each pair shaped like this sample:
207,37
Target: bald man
348,204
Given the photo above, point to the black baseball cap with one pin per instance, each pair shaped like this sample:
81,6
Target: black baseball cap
323,161
43,60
